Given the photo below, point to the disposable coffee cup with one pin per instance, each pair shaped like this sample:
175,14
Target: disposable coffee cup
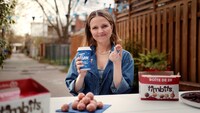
85,54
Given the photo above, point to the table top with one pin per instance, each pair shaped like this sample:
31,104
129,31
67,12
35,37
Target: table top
130,103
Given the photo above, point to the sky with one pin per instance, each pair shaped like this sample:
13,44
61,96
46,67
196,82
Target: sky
26,9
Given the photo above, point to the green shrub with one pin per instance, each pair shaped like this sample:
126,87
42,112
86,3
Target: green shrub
135,48
2,54
153,60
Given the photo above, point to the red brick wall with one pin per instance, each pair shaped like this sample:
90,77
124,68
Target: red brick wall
79,24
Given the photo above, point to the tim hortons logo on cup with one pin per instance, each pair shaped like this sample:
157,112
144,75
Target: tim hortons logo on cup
25,107
83,57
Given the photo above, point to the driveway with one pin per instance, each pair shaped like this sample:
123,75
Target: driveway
20,66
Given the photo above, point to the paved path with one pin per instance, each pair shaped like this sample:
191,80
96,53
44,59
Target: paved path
20,66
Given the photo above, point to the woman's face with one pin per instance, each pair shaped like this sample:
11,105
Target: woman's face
100,29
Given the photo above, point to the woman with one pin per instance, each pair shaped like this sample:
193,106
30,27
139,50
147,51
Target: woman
112,69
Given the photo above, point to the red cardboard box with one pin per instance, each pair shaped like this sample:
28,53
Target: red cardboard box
23,96
160,85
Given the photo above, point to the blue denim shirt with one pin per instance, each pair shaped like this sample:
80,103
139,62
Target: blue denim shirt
92,78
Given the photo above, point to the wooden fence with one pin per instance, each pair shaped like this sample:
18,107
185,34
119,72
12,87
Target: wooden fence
171,26
57,53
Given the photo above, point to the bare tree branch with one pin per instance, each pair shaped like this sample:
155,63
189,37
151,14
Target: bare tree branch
61,29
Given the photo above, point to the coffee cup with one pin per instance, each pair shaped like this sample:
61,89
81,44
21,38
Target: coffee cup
85,54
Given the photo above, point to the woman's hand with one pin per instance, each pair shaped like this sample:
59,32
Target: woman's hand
116,55
79,64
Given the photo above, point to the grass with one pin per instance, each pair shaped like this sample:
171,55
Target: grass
55,63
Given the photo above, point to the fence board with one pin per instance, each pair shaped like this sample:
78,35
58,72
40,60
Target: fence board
124,32
177,40
164,31
122,19
153,31
184,44
144,31
139,29
124,29
158,31
148,32
193,40
143,8
135,29
131,30
119,28
127,28
141,13
122,15
162,2
140,3
171,37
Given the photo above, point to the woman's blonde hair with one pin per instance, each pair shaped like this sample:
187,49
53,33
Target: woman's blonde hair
89,41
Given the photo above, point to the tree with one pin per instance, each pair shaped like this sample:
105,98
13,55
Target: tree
61,29
6,12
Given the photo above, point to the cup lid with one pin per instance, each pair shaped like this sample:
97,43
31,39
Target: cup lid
83,48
